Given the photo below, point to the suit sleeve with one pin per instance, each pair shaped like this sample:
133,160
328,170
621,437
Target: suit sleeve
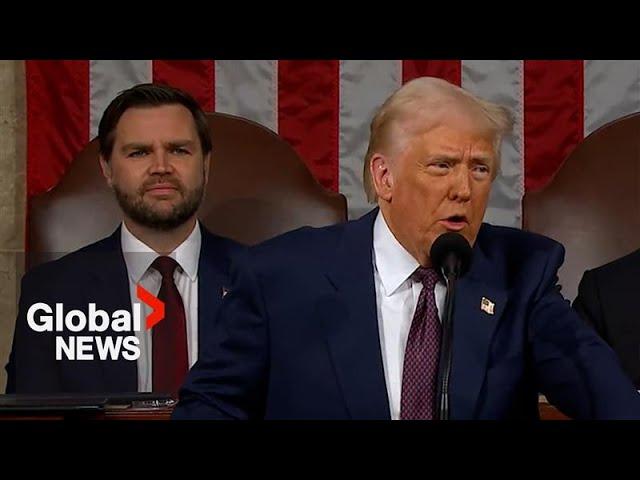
576,370
587,304
32,367
229,379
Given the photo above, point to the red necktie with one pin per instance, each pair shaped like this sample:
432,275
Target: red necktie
170,358
421,357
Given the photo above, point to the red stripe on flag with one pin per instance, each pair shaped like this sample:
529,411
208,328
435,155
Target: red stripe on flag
57,119
449,70
308,114
553,117
196,77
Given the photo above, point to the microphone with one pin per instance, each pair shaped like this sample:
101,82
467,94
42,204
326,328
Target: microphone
451,256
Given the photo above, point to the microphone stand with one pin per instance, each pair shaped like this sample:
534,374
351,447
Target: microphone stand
450,277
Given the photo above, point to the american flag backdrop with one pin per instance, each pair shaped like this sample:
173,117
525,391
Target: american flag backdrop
323,109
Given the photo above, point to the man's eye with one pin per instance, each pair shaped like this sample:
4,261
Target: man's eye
441,166
180,151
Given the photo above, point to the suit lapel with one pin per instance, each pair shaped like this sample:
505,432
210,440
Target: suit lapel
473,328
110,291
212,282
351,323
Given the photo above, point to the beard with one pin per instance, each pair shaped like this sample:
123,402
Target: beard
141,212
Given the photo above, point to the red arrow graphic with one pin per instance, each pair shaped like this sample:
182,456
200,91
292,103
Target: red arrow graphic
157,305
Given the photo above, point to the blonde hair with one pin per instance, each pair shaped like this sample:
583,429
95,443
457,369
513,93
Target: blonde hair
425,95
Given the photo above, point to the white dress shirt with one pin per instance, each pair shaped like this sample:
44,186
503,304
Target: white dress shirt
138,258
396,300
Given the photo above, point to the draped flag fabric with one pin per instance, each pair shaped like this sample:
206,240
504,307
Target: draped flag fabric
323,109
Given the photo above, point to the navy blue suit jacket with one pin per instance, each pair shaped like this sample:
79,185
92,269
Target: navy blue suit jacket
97,274
298,336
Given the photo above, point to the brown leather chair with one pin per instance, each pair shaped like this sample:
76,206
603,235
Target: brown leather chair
592,206
258,188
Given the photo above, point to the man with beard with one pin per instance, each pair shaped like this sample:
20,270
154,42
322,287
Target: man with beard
155,153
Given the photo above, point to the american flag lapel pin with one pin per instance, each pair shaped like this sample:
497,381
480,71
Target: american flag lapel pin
487,306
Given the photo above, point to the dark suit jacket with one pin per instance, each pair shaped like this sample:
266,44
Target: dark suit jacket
298,336
97,274
609,300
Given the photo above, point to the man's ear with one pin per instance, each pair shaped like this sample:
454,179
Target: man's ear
207,166
382,176
106,170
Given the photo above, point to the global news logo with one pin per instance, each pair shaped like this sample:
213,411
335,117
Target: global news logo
78,333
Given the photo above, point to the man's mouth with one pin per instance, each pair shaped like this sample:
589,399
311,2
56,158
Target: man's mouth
161,189
455,223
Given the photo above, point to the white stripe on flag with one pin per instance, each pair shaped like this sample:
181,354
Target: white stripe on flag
611,90
364,86
107,78
248,88
501,81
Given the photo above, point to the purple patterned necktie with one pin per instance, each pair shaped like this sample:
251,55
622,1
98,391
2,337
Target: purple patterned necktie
420,371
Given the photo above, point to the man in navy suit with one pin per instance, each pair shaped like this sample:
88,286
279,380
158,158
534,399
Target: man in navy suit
608,301
155,152
343,322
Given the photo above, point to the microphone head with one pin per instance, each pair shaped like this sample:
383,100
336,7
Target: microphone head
451,253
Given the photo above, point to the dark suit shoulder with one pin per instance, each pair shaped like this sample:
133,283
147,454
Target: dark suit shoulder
510,257
74,263
308,243
613,277
623,266
225,245
514,243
